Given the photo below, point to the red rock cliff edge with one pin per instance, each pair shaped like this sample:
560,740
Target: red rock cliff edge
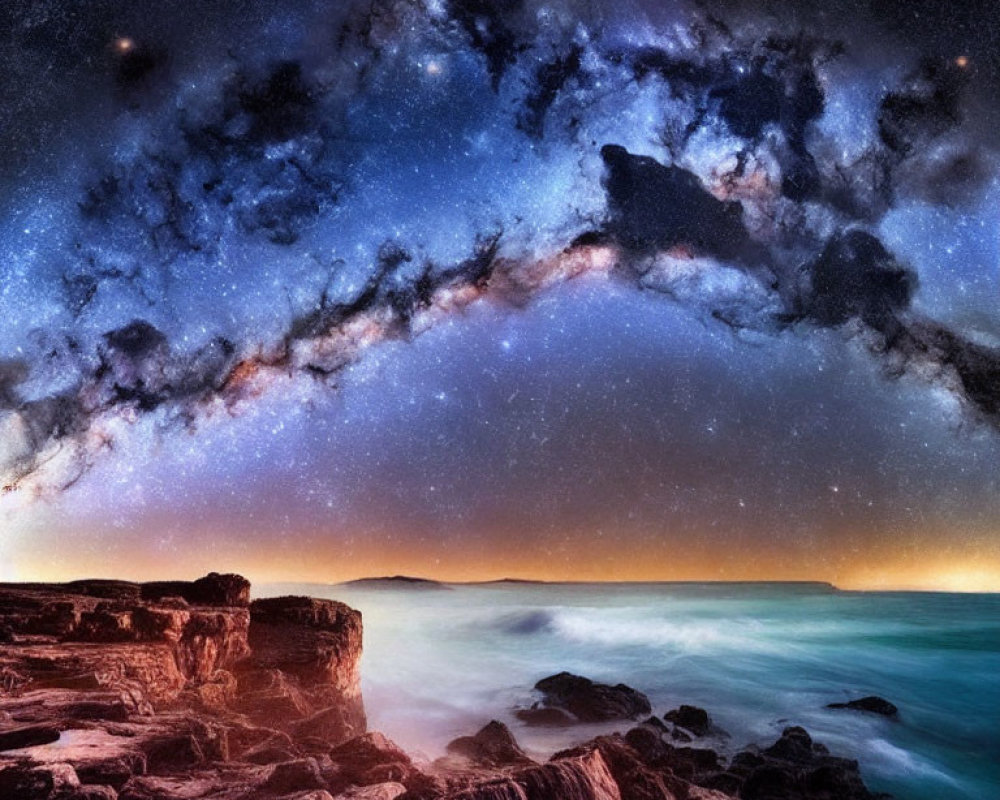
104,684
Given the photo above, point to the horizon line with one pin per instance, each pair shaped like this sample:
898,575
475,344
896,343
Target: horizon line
904,588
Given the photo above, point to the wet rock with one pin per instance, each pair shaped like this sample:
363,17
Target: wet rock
872,704
648,743
540,716
656,722
679,735
589,701
493,746
796,768
636,779
691,718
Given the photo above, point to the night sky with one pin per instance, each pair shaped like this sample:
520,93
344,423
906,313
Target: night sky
474,288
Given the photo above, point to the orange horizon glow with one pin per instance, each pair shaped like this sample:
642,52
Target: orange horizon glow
874,568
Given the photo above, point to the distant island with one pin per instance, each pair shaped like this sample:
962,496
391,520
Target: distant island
395,582
411,582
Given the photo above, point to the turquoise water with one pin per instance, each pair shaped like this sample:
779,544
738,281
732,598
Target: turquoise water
439,663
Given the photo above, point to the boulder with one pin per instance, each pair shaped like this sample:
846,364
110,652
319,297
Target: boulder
294,776
272,751
871,704
493,746
690,718
212,590
589,701
371,758
797,768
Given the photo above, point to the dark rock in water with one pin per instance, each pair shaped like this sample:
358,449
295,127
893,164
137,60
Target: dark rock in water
691,718
679,735
656,722
648,742
592,702
493,746
796,746
540,716
872,704
796,768
647,767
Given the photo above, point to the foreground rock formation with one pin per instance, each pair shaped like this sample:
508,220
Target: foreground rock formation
115,689
188,691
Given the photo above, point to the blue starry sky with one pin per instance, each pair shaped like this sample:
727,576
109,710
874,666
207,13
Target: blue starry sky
474,288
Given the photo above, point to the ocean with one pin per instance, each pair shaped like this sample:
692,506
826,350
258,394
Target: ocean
441,662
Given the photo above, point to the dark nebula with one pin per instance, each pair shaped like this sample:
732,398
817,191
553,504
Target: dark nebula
236,222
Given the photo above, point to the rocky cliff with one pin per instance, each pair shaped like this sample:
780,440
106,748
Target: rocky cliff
105,685
188,691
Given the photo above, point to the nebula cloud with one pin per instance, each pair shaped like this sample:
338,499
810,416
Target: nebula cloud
343,175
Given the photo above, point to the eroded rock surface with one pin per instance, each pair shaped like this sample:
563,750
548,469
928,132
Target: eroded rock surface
173,690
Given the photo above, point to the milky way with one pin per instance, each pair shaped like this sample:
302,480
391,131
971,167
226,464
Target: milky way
439,283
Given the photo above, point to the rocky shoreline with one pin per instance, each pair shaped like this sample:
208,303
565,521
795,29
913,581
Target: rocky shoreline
112,690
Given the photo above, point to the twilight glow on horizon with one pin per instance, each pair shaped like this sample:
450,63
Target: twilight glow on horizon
467,289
